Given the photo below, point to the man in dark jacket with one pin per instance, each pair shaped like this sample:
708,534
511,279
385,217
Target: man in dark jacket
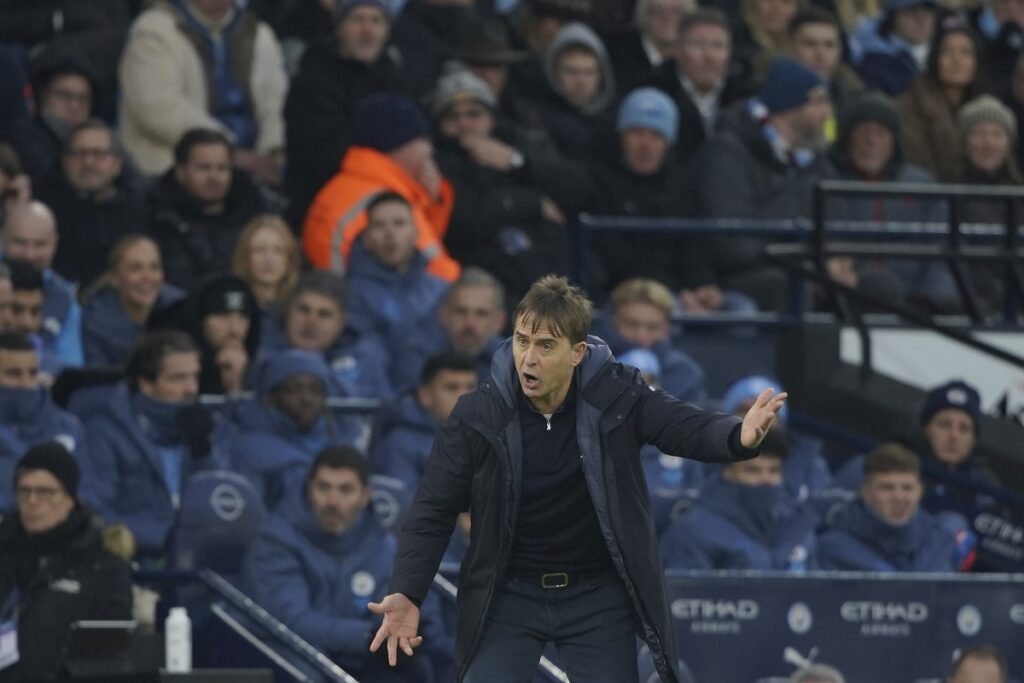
764,165
54,569
197,210
95,200
335,73
546,457
147,438
322,558
407,426
885,529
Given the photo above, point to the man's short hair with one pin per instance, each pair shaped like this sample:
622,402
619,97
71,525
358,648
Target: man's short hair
324,283
96,124
24,276
340,458
147,358
196,137
984,651
704,16
445,360
386,197
640,290
474,276
775,444
14,341
562,306
817,673
813,15
888,458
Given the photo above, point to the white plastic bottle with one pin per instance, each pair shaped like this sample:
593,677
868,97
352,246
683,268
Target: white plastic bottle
178,641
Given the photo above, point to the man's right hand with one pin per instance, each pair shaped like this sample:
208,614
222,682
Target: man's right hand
401,623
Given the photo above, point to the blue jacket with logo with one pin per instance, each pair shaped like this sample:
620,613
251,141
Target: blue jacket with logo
388,303
404,436
108,334
360,364
734,526
124,477
858,540
319,585
681,376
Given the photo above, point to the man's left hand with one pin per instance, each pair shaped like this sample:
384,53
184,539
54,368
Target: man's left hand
760,417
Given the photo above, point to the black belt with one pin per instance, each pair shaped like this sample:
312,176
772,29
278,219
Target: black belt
554,580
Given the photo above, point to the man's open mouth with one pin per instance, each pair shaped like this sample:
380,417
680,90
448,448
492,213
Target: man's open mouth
530,381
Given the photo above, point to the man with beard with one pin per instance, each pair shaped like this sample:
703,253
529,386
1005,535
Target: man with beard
94,199
470,320
764,165
321,559
28,416
745,519
197,210
146,440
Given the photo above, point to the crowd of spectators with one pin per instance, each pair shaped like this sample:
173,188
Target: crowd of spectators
288,203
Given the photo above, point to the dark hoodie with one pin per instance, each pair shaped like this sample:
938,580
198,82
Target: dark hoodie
573,128
193,244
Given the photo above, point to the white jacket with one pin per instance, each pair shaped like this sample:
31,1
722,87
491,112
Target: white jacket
164,92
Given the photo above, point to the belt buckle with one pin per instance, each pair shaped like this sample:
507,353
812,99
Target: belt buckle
554,580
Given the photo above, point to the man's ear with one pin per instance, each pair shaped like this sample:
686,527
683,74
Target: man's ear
578,351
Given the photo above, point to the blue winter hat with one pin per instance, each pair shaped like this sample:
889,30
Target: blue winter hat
747,389
956,395
652,109
343,7
285,364
788,85
386,121
643,360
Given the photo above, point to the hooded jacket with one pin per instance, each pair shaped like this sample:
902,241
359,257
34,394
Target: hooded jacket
337,216
733,526
61,329
883,62
570,127
124,476
404,434
858,540
388,303
108,334
476,465
410,357
62,576
360,364
319,585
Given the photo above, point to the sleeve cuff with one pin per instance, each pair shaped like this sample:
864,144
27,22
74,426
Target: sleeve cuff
738,449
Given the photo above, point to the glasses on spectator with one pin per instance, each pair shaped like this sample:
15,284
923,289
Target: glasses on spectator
86,153
71,96
43,493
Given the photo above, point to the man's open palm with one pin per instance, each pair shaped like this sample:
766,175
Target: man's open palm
759,418
401,624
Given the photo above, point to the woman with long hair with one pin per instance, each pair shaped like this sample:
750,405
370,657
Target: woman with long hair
267,257
115,309
956,74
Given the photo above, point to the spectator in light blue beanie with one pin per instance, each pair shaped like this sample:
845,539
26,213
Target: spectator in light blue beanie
647,123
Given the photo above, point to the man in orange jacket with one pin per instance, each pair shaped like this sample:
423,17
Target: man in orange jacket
390,152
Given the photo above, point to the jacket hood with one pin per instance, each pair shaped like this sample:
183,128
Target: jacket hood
404,413
503,372
577,33
897,543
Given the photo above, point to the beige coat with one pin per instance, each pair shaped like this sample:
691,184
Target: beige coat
165,90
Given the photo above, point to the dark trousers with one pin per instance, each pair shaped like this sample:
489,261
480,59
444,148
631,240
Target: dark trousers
590,624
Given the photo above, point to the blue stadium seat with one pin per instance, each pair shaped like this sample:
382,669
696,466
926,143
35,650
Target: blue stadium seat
220,513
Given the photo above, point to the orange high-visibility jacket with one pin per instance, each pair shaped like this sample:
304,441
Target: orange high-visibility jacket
338,214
